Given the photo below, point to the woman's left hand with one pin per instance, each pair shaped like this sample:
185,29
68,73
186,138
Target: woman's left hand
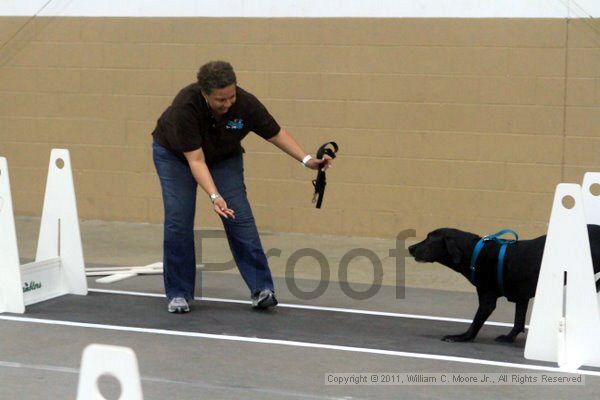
325,163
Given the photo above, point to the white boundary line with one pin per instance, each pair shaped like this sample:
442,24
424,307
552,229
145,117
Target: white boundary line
290,343
316,308
197,384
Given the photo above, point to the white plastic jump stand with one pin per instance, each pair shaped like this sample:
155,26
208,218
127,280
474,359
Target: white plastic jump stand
118,362
59,267
591,202
565,320
10,276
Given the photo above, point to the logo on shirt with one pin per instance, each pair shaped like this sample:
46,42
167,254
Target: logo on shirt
235,124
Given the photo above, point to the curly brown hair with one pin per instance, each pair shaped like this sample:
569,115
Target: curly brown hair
215,75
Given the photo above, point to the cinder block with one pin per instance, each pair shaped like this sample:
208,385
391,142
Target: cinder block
257,83
343,195
76,55
143,184
474,175
126,55
513,90
138,133
313,220
423,60
347,86
282,58
56,80
105,81
26,155
295,86
575,173
17,129
81,105
543,32
584,62
32,180
140,30
111,158
390,225
14,79
168,55
355,31
255,144
279,193
56,132
18,104
543,120
317,113
233,53
9,26
550,91
196,30
353,142
155,211
273,218
29,54
245,31
58,29
582,121
27,202
357,222
147,108
454,117
103,132
239,30
105,30
113,208
116,107
295,31
449,89
532,177
370,170
583,32
519,148
100,183
582,151
267,166
529,206
581,92
546,62
180,78
503,32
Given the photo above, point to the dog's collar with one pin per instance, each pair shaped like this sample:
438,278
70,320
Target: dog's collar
504,244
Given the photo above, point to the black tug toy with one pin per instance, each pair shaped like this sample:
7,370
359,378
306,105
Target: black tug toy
321,180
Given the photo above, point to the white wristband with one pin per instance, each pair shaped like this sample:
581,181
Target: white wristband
306,159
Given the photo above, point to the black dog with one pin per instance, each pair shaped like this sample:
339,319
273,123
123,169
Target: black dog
454,248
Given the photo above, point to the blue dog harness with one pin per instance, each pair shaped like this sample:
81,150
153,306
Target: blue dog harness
504,244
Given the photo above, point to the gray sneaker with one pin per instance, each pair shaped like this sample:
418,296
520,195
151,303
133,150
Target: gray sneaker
178,305
264,299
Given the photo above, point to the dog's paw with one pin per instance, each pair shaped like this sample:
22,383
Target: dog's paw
457,338
505,339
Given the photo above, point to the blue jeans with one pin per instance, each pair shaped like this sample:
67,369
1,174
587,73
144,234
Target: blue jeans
179,200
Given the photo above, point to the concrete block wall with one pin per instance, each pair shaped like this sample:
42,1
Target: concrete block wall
441,121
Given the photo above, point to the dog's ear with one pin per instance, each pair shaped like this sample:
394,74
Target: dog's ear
453,250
